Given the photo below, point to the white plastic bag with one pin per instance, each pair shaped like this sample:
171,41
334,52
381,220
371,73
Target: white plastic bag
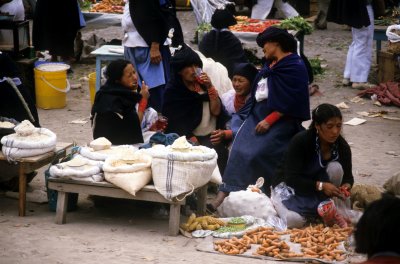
249,202
290,218
392,36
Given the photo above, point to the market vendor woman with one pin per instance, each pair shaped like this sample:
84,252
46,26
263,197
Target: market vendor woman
318,163
279,103
114,115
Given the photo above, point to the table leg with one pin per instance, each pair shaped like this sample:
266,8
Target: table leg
378,48
98,73
22,189
61,211
174,219
202,200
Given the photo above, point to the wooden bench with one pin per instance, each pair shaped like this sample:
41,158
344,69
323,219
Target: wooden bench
147,193
30,164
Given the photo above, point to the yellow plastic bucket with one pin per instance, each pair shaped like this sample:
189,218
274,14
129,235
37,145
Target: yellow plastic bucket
92,86
51,85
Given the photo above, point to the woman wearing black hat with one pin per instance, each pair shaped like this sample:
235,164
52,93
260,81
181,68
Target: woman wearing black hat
191,103
279,103
220,44
234,100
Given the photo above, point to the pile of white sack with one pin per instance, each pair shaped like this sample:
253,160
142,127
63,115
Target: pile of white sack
28,141
88,164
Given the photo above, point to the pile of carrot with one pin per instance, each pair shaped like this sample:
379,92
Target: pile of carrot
316,242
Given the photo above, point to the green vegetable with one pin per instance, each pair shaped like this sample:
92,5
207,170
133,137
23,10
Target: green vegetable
226,229
85,5
316,66
201,29
296,23
237,220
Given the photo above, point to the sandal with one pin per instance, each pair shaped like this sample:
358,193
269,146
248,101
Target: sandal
210,209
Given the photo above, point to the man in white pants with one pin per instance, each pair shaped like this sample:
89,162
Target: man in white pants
359,56
263,8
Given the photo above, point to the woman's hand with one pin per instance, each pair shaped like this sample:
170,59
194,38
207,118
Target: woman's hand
144,91
205,80
331,190
155,55
262,127
217,136
345,190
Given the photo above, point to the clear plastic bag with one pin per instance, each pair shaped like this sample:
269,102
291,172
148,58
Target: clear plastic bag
290,219
343,207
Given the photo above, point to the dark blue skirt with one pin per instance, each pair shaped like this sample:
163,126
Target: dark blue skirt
257,155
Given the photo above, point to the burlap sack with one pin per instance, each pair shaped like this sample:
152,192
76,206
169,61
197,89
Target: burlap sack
393,184
176,173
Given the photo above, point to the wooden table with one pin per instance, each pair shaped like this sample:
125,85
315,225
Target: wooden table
104,54
147,193
28,165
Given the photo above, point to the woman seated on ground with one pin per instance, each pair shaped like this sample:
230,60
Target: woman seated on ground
318,164
114,114
234,100
192,104
279,103
220,44
378,230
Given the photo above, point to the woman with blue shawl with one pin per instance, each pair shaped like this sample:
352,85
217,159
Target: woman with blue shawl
264,126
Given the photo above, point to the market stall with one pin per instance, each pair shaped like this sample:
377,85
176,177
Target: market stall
247,28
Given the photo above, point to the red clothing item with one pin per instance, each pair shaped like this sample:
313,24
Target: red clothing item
239,101
382,260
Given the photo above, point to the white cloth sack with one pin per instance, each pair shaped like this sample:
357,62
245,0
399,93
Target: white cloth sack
262,90
216,176
247,203
42,138
102,155
18,153
63,170
127,176
176,173
217,72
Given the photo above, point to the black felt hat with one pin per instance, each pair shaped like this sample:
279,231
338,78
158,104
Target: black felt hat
247,70
222,18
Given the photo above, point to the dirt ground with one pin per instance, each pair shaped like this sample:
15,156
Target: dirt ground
118,231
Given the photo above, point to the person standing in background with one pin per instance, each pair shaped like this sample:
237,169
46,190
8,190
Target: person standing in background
221,44
359,15
263,7
320,22
55,25
146,46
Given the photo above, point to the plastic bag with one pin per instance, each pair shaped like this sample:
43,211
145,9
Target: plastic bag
290,219
344,208
250,202
391,33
